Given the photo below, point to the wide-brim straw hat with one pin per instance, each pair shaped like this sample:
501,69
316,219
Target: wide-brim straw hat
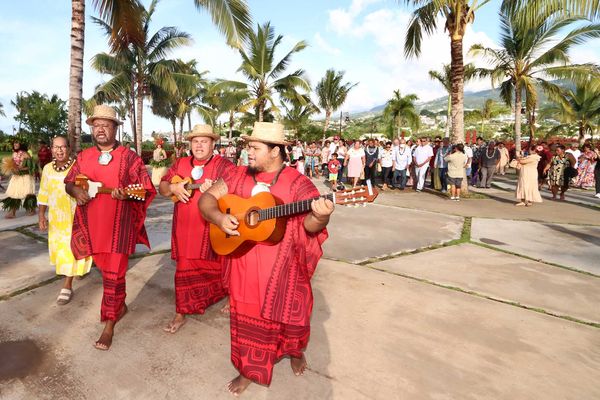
267,132
202,130
104,112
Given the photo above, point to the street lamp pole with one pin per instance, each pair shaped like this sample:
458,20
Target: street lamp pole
340,134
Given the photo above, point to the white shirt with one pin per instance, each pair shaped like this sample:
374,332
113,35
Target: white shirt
576,154
297,152
469,154
402,157
386,157
422,153
332,148
353,153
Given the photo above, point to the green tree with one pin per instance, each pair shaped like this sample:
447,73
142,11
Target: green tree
444,77
40,116
401,111
331,93
143,70
2,113
534,50
297,115
456,15
578,108
265,75
490,109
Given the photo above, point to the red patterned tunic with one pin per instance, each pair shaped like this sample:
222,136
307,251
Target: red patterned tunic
198,277
269,286
109,229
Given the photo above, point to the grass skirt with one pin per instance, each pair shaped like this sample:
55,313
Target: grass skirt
20,186
157,174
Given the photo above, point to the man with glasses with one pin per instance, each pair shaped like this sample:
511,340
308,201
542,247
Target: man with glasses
108,226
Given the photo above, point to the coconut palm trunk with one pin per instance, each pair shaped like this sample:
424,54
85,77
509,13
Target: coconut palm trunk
231,122
138,122
448,116
76,73
327,121
518,97
457,99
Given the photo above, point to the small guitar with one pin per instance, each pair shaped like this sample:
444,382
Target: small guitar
262,220
134,191
189,186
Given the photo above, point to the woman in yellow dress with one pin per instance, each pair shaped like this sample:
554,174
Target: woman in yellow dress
61,208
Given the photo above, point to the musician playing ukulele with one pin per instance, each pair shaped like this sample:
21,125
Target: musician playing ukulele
269,284
108,226
198,275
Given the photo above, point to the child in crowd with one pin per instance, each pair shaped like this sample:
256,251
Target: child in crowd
300,165
333,166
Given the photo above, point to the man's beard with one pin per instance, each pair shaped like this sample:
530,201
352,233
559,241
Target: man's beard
254,170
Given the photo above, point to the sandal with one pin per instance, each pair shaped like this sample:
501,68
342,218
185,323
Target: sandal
64,297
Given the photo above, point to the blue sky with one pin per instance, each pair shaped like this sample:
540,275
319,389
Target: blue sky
362,37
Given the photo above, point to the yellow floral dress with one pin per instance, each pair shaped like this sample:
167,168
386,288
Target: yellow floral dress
61,208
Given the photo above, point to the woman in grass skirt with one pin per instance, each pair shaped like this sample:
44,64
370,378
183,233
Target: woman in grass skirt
21,187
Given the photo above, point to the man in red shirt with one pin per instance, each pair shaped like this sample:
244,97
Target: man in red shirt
108,226
198,278
269,286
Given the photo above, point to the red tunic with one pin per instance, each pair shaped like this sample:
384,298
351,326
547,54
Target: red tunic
106,225
190,233
275,279
270,293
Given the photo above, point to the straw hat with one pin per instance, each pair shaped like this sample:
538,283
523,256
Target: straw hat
203,131
104,112
267,132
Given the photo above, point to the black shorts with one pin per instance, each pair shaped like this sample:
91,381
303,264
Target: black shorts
455,181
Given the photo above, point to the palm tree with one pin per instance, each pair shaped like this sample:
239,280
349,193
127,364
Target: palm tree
297,114
531,53
489,110
457,14
264,74
2,110
332,93
123,17
143,69
579,107
445,78
232,102
401,111
232,18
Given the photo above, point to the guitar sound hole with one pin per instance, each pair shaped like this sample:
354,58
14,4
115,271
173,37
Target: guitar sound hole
252,218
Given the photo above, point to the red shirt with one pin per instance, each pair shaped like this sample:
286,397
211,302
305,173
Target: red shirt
190,232
333,166
104,224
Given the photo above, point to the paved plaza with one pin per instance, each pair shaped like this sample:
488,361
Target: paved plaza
416,297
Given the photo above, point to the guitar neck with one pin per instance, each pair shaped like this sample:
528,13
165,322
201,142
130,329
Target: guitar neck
105,190
285,210
192,186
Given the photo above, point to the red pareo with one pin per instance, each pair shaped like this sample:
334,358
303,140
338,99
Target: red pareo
198,276
270,291
109,229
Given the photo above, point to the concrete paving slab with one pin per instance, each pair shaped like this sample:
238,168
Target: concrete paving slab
505,277
395,338
23,262
500,204
572,246
358,234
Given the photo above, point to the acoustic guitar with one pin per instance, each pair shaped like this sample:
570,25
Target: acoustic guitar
189,186
134,191
262,220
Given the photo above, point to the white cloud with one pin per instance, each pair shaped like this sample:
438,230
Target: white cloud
384,31
341,20
326,47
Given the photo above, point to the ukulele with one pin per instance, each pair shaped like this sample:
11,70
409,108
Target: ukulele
262,220
189,186
134,191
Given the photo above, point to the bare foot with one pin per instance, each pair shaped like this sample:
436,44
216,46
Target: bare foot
226,309
105,340
238,385
9,216
298,365
562,197
175,324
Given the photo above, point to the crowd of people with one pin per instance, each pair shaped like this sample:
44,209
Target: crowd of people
400,164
